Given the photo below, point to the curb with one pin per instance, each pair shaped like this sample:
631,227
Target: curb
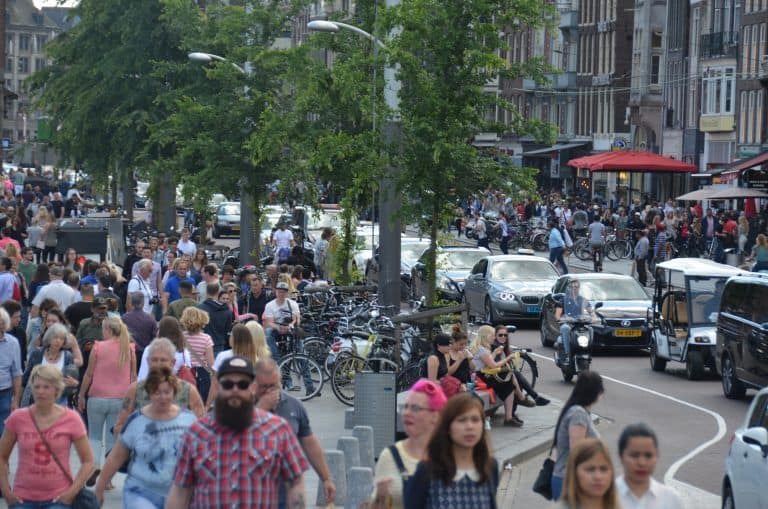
527,454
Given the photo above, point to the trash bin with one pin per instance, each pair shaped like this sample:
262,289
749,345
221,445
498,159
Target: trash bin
733,258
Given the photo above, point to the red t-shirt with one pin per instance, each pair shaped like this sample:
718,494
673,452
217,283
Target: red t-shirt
730,226
38,477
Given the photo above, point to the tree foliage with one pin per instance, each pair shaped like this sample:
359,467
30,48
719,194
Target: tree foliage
447,52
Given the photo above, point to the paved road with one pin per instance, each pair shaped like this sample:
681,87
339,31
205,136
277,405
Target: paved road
664,400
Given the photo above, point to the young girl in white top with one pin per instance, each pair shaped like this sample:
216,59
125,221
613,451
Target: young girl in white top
639,452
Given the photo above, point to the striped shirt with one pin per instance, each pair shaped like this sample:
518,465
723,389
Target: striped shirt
198,343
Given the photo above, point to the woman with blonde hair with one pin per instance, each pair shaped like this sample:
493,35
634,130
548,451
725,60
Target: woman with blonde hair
486,361
200,346
242,344
760,253
589,477
259,339
111,371
49,483
743,229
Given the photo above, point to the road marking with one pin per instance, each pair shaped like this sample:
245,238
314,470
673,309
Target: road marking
703,497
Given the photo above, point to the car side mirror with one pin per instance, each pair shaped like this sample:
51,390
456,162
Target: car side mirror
758,437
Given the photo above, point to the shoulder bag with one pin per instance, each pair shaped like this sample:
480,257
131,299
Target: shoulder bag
185,372
85,499
201,362
543,483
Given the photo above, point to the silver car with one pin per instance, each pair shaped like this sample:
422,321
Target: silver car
227,221
508,287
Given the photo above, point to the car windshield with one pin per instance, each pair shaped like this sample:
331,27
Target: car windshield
458,260
412,251
705,293
522,269
366,242
323,220
229,210
612,289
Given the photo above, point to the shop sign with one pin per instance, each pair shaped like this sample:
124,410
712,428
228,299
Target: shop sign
756,179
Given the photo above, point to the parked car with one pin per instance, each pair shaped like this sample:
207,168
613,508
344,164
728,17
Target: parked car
410,251
625,310
509,287
227,220
452,268
742,335
746,467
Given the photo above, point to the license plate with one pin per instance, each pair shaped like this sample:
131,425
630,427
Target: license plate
628,333
235,228
532,309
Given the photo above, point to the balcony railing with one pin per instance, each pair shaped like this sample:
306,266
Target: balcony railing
719,44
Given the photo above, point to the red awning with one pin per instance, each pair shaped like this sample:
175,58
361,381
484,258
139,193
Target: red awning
632,161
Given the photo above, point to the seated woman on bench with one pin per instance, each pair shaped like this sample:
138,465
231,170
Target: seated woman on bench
440,363
486,360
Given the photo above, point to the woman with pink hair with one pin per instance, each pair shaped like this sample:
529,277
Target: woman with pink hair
420,415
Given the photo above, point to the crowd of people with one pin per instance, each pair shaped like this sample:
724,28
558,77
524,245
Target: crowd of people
126,364
671,228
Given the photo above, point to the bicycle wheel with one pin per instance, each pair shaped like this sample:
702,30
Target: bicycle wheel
343,376
318,350
297,370
541,242
614,250
582,251
409,376
528,368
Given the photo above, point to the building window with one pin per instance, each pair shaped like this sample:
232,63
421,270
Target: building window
718,91
42,40
39,64
24,42
751,118
746,52
655,63
759,118
23,64
9,64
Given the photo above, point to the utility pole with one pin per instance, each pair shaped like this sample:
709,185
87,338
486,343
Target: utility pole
389,200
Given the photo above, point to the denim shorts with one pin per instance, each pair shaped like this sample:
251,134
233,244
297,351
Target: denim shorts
40,505
136,496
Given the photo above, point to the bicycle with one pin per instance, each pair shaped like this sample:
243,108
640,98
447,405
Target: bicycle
297,368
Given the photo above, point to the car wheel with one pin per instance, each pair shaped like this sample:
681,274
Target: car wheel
545,341
657,363
733,388
728,502
490,317
694,365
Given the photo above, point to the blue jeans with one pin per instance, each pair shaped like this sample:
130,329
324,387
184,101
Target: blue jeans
556,254
272,335
40,505
102,415
6,397
136,496
557,487
565,337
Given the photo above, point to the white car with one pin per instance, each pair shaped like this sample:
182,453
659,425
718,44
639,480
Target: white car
746,467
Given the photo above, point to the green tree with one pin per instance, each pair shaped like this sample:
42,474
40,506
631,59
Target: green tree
100,91
226,129
448,50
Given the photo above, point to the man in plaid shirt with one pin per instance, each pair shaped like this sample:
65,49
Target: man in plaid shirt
238,456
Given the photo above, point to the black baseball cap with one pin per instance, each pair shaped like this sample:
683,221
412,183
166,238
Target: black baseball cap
236,364
99,302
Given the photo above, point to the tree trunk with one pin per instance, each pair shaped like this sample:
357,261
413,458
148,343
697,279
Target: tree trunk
432,255
164,202
129,193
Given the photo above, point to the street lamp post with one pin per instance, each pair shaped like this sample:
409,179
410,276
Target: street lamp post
389,201
247,226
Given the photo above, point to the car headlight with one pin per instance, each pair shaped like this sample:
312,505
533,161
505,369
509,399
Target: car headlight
582,341
445,284
506,296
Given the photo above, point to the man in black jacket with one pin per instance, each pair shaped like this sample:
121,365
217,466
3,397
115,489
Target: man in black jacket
220,318
254,301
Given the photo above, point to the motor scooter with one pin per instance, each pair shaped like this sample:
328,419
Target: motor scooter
580,358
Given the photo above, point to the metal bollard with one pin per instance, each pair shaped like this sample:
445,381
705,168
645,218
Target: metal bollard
338,469
360,486
364,435
350,446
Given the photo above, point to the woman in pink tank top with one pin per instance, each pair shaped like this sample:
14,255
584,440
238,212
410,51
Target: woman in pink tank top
111,370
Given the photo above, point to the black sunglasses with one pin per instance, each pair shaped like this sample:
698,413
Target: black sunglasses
503,335
227,385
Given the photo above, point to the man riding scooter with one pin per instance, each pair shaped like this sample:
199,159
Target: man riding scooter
574,306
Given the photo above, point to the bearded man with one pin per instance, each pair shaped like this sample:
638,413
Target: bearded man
239,455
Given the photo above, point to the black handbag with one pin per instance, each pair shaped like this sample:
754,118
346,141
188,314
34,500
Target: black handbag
85,499
543,483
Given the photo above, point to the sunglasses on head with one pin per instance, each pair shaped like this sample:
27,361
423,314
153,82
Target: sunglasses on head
228,385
